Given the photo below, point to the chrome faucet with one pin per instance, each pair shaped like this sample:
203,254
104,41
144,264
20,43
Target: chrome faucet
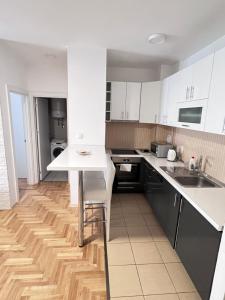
199,166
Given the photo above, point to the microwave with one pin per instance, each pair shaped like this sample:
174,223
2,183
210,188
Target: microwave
160,149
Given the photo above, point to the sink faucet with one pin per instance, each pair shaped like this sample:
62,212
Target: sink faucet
199,166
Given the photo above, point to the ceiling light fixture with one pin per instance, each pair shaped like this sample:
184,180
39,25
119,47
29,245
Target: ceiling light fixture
157,38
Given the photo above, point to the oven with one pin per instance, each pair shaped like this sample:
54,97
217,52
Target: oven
127,179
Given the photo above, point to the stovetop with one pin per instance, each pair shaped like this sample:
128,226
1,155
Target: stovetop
124,152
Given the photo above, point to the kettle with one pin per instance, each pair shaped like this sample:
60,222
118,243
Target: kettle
171,155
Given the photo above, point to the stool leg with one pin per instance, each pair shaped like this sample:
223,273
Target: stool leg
81,211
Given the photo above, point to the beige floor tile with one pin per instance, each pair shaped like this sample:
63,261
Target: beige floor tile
167,252
180,278
118,235
146,253
129,298
139,234
150,220
158,234
132,210
120,254
116,213
124,281
145,208
155,279
134,220
117,222
189,296
162,297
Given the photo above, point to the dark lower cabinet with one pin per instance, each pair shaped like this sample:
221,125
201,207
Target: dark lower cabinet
164,200
197,246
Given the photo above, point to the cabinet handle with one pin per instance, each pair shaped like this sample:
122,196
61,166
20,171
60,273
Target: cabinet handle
181,205
175,200
184,125
155,118
192,92
223,128
187,92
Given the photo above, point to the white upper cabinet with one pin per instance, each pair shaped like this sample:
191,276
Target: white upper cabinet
150,102
173,94
163,115
201,78
194,81
133,97
215,117
118,99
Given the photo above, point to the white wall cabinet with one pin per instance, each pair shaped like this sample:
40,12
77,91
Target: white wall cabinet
215,117
163,114
125,101
133,98
150,102
194,81
118,99
173,94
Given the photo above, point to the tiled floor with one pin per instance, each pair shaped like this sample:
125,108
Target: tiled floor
142,263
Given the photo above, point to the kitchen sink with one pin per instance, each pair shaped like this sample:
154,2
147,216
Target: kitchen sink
195,181
191,179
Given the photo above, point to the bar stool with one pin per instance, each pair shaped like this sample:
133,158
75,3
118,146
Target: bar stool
97,194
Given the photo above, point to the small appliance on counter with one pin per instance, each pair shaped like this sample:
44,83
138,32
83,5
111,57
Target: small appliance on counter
160,149
172,155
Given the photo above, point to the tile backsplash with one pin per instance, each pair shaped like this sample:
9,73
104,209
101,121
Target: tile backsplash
135,135
129,135
211,146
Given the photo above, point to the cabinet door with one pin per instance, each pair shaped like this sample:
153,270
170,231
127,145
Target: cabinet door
197,246
215,117
118,97
150,100
201,78
164,101
185,82
133,101
173,95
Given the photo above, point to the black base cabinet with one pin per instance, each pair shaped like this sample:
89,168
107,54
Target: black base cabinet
164,200
197,246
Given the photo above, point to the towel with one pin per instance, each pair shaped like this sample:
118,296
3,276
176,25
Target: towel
126,167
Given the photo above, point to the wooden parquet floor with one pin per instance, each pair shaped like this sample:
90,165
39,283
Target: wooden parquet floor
39,255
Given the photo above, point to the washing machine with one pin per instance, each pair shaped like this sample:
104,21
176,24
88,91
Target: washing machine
57,146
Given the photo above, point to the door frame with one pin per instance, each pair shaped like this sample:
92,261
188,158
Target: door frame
13,182
33,127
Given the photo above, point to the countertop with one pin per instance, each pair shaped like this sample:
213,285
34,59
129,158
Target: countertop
209,202
71,160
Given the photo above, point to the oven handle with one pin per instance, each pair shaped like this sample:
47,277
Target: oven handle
118,164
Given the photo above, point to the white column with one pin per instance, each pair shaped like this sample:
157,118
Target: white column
86,101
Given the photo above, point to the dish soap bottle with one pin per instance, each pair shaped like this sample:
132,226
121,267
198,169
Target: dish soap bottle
192,164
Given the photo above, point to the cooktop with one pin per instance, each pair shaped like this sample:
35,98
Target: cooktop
124,151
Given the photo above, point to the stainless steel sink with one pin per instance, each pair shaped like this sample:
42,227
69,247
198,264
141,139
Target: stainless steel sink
191,179
195,181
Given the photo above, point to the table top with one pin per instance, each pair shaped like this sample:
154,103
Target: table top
71,160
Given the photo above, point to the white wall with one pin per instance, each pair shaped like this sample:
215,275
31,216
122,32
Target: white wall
47,75
86,102
12,72
86,95
133,74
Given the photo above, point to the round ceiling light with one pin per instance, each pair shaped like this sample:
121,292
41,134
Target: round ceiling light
157,38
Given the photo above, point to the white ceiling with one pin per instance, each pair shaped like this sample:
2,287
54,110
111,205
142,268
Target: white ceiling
122,26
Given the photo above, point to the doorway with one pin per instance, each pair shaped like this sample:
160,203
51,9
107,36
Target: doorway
51,123
19,132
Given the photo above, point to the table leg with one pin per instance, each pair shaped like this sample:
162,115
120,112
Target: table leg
81,211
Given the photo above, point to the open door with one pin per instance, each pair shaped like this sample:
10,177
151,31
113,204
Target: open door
44,151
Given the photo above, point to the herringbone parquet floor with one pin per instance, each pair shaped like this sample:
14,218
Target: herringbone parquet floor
39,256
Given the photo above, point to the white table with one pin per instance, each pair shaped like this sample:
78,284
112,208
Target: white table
71,160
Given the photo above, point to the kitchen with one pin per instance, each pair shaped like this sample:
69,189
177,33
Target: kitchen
153,112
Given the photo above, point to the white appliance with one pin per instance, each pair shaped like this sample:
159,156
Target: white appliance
58,108
172,155
57,146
